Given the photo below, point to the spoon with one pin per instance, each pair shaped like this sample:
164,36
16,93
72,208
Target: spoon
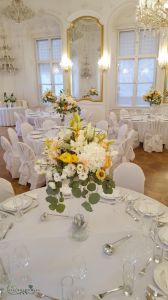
151,291
102,295
143,270
109,248
44,216
39,294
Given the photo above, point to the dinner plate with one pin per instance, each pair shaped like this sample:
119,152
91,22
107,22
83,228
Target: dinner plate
163,235
149,208
22,202
39,136
114,196
161,276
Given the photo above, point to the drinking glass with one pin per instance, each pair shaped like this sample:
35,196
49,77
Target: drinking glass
4,280
67,288
79,273
18,205
128,277
157,253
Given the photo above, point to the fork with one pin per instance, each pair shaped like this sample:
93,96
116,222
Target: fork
143,270
102,295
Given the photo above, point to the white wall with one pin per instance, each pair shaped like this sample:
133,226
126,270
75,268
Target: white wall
53,17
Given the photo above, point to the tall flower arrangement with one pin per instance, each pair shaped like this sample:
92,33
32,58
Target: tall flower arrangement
49,96
66,104
82,156
153,97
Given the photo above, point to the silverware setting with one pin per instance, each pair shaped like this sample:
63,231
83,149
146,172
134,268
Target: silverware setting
102,295
144,269
152,293
130,212
108,202
41,295
45,215
7,230
109,248
36,204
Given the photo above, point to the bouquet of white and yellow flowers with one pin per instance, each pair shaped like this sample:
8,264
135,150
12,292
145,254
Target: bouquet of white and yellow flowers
153,97
79,155
49,96
66,104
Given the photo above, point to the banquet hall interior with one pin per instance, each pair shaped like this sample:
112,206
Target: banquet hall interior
83,141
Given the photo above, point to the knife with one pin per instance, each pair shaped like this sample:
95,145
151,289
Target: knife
8,228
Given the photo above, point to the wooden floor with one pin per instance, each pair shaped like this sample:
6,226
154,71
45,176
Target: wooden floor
154,165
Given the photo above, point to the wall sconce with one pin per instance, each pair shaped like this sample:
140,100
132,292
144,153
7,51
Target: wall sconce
65,63
104,62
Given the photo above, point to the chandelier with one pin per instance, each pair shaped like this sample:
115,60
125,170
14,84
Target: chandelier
85,72
6,60
18,12
152,14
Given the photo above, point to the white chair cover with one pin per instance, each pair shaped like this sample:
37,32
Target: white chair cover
122,133
26,128
153,140
113,126
133,134
38,122
6,189
26,170
19,119
131,176
103,125
11,159
123,113
47,124
13,139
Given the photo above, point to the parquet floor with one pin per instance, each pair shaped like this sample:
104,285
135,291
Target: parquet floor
154,165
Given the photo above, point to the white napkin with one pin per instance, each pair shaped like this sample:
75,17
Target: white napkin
164,218
149,207
164,277
164,235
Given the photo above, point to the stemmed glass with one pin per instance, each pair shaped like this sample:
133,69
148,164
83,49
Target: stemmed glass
79,273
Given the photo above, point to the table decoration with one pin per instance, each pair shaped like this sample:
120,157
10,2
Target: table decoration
149,208
65,105
153,96
49,97
83,157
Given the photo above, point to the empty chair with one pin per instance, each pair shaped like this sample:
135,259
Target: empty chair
11,159
153,139
123,113
6,189
133,134
27,170
19,119
113,126
13,139
103,125
38,122
26,128
113,117
47,124
129,175
122,133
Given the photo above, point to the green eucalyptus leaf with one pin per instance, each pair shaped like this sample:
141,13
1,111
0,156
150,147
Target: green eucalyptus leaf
60,208
94,198
84,182
84,193
91,187
75,184
52,206
51,199
76,192
87,206
58,184
50,191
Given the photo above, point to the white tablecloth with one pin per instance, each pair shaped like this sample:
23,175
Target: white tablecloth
52,249
7,115
141,124
42,116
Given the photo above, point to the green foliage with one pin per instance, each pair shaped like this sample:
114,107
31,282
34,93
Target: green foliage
87,206
91,187
76,192
94,198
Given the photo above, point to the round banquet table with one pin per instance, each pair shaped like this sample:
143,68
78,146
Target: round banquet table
42,116
140,124
7,115
52,249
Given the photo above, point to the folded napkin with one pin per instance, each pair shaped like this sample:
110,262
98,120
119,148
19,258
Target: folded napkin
149,207
164,218
163,234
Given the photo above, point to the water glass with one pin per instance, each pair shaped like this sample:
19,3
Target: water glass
157,253
128,277
67,288
18,205
4,279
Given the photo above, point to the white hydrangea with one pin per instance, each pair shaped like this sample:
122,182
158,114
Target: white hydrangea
94,155
78,146
57,177
83,176
80,168
65,134
52,185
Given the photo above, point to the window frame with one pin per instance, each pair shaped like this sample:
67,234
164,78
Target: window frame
136,57
49,62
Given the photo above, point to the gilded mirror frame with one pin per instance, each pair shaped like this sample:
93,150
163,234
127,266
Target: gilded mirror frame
101,26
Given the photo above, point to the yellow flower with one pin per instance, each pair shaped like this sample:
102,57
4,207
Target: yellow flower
75,123
68,158
100,174
107,162
48,142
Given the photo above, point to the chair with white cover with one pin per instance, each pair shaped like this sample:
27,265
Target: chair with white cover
131,176
103,125
27,170
89,116
38,123
11,159
153,139
47,124
19,119
122,133
13,139
26,128
133,134
123,113
6,190
113,116
113,125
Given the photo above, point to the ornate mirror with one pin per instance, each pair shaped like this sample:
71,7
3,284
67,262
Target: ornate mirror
85,48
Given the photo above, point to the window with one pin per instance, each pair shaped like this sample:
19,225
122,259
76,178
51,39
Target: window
48,63
137,62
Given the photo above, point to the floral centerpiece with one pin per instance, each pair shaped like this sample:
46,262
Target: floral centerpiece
12,98
66,104
49,96
153,97
93,92
80,155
